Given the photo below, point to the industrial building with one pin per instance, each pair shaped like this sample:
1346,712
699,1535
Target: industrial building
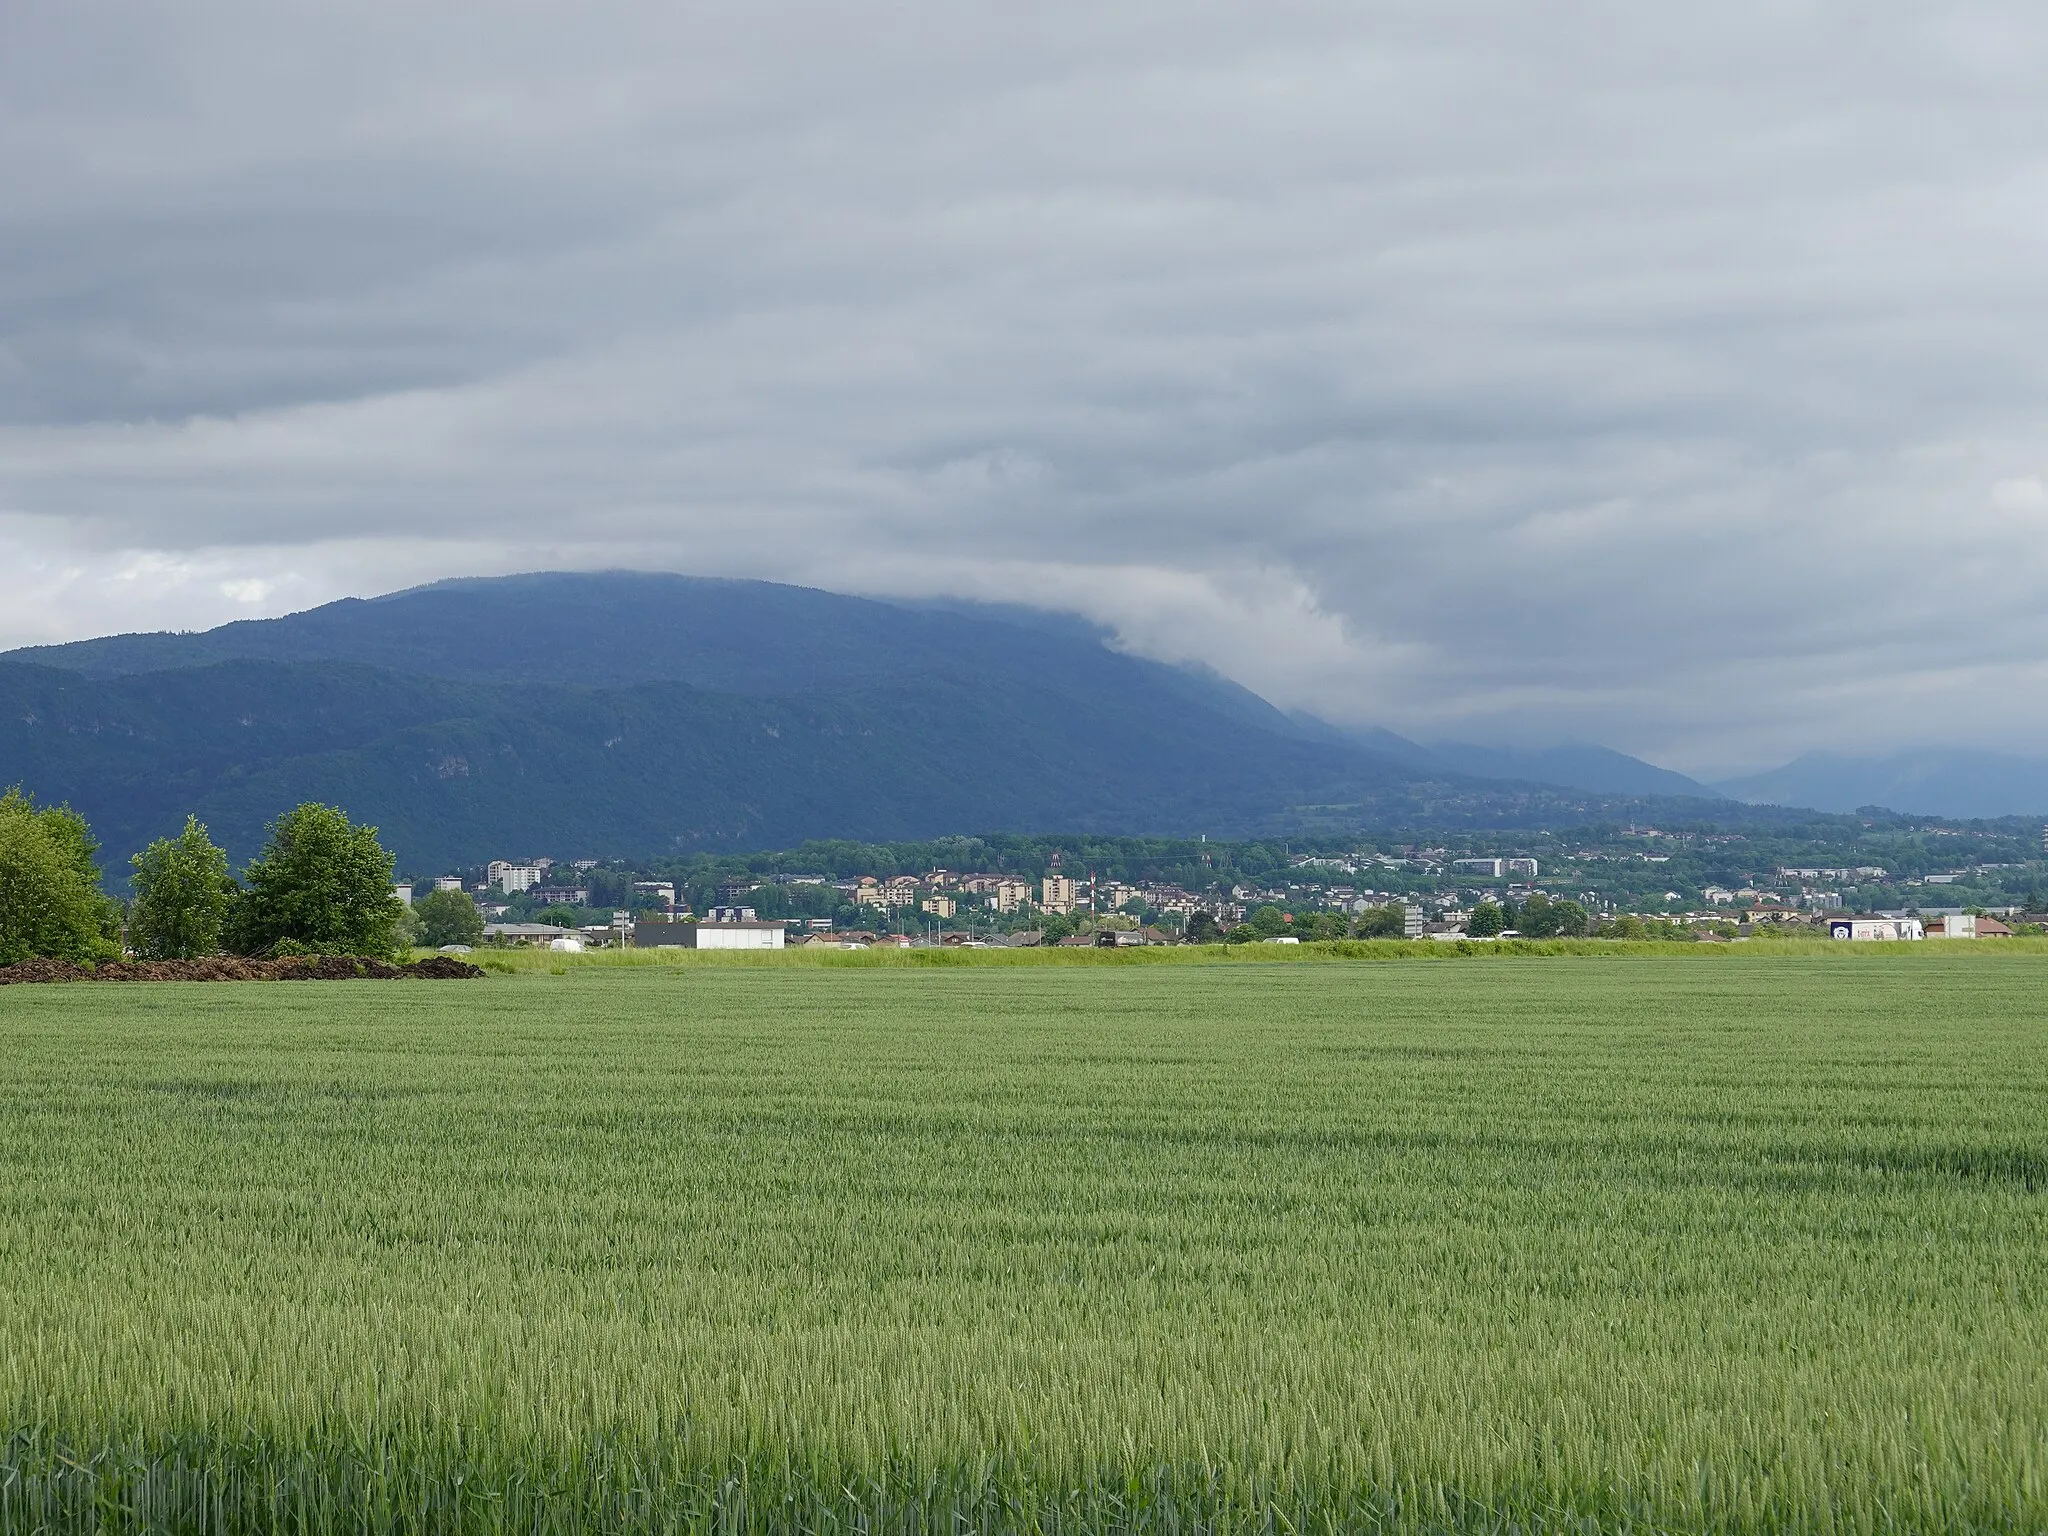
1856,927
655,932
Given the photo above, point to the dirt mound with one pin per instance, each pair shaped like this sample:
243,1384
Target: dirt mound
236,968
444,968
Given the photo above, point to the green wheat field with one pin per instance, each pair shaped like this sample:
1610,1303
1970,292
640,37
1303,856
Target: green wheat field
1754,1242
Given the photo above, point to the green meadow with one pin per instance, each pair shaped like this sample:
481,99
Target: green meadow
1737,1240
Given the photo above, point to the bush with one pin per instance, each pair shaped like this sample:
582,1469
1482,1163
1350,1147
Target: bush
51,905
183,894
321,886
1486,920
448,917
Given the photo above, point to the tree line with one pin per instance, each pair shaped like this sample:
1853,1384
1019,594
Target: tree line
320,886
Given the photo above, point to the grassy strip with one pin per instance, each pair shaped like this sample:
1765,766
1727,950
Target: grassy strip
515,961
326,1488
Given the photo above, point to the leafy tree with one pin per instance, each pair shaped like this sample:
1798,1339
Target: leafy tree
1243,933
564,916
320,886
1624,926
1319,927
1570,920
1382,923
448,917
1056,926
1543,918
51,906
183,894
1269,922
1204,929
1486,920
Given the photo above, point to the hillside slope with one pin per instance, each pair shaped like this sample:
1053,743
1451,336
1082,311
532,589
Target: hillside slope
1578,766
634,714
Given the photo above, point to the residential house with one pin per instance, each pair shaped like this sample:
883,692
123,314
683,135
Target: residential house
561,895
525,933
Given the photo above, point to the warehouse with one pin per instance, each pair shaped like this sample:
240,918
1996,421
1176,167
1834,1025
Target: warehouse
657,933
1860,926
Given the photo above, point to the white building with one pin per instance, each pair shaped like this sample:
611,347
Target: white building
1875,928
1526,868
403,893
448,882
1056,893
512,878
1491,869
733,935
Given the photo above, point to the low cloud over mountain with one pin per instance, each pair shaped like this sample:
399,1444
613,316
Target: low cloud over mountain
1666,377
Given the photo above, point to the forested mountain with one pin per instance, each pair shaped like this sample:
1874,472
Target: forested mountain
641,714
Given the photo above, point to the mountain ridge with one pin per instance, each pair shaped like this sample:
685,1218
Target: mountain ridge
1923,781
635,713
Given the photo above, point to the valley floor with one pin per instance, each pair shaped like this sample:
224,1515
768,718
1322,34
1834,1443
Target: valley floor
1551,1242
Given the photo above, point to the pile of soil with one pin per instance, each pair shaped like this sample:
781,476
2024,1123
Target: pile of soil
235,968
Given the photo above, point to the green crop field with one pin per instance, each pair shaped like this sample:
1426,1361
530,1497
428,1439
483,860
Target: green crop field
1739,1242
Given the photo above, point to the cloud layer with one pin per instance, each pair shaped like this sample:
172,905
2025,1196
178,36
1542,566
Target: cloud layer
1673,380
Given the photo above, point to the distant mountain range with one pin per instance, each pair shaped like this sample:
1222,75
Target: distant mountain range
636,714
1926,782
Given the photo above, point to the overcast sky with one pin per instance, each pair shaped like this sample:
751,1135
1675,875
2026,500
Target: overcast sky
1669,376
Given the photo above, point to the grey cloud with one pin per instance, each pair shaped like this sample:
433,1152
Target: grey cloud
1586,370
